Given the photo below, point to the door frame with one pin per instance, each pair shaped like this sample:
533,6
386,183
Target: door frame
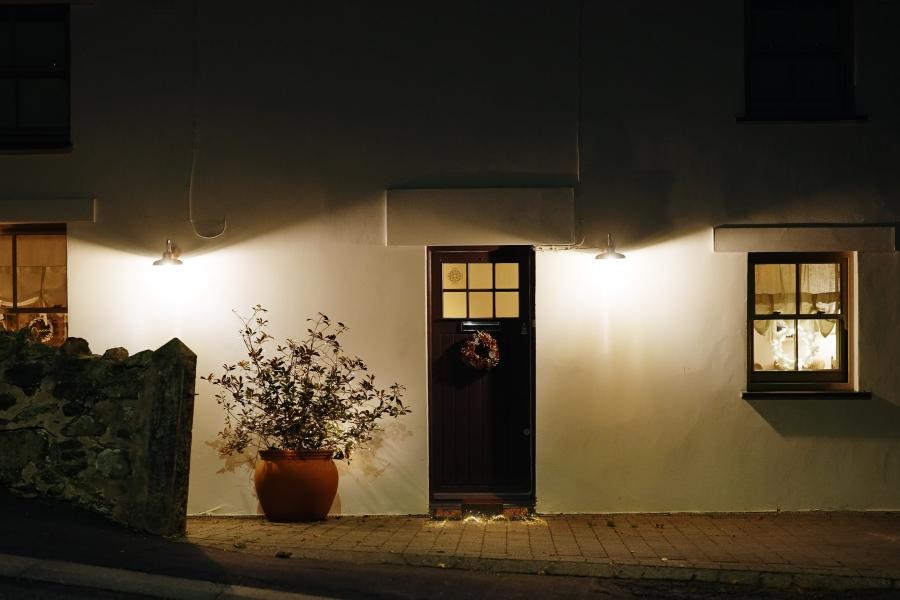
516,500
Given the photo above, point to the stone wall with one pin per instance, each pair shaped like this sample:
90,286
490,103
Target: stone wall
110,433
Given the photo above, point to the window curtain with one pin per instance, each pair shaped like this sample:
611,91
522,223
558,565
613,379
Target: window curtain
819,292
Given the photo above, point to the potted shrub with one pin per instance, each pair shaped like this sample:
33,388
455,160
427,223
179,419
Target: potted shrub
300,404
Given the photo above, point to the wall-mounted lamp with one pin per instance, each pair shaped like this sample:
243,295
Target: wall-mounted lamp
610,250
169,255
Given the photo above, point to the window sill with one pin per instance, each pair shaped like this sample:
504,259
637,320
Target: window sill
806,395
793,119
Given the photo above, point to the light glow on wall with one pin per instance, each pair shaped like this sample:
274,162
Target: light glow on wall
119,298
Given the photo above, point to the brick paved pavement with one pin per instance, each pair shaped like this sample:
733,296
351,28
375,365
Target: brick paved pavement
833,550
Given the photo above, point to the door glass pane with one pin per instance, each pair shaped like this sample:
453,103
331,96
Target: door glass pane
776,289
6,271
481,276
507,276
820,288
41,270
819,345
481,305
453,276
773,345
507,304
454,305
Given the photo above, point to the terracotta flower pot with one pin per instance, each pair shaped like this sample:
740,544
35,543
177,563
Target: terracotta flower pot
296,485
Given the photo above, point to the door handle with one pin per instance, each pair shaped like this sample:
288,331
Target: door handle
526,431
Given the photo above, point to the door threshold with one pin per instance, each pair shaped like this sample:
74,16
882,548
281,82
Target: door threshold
481,510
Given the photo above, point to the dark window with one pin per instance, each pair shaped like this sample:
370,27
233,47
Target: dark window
34,77
798,321
33,282
799,59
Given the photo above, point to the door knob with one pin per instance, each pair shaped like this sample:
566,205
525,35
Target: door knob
526,431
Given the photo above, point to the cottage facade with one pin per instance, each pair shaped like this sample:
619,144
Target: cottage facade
350,149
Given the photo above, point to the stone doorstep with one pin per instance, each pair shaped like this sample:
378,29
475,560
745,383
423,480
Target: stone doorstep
507,511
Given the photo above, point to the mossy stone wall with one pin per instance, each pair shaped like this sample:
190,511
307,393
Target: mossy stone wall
110,433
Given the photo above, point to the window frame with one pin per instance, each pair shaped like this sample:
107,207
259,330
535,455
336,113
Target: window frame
803,380
796,110
40,139
35,229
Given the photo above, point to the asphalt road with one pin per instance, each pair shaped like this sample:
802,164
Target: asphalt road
456,584
30,590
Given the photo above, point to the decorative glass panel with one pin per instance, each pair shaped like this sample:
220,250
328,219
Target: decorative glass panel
819,345
41,271
820,288
773,345
776,289
481,276
507,304
507,276
481,305
454,305
6,271
453,276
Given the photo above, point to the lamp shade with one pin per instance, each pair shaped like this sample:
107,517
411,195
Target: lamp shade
610,251
169,256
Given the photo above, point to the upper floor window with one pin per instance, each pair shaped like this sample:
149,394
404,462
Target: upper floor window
798,59
34,77
33,282
799,321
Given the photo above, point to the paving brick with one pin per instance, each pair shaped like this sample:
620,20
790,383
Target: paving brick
837,550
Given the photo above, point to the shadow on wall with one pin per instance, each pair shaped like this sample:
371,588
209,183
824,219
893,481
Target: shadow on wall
661,150
874,418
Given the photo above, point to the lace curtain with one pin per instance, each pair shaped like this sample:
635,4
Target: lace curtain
776,291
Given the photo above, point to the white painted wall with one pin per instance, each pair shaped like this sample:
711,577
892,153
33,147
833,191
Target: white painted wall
308,113
640,367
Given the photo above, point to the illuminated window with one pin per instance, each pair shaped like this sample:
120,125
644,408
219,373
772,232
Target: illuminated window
33,282
34,77
798,59
799,321
493,290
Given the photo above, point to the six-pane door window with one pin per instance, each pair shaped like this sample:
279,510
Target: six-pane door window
480,290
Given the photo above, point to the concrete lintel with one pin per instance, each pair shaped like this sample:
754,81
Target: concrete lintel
480,216
805,238
47,210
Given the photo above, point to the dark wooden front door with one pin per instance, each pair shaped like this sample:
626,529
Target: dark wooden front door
481,422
